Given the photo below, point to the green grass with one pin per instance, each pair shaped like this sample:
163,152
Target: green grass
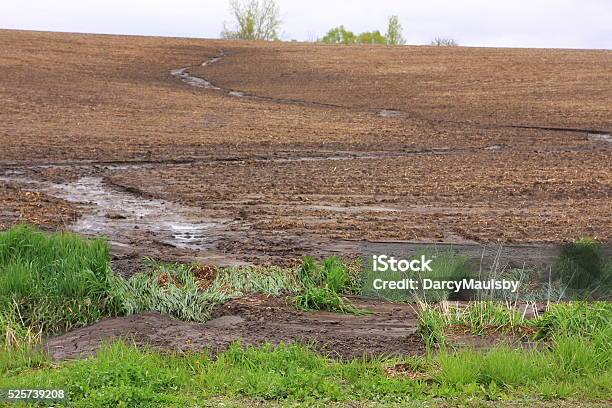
479,318
173,288
122,375
180,296
270,280
583,269
591,321
52,283
576,319
323,285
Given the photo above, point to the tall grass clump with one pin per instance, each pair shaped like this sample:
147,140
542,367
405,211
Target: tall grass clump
50,283
478,318
591,322
323,285
582,265
177,290
170,289
447,266
581,319
240,280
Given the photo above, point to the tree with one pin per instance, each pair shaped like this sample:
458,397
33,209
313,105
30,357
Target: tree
394,32
444,42
255,20
371,37
339,35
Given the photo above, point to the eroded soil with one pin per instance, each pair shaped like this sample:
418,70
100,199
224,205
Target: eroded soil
389,330
290,149
230,152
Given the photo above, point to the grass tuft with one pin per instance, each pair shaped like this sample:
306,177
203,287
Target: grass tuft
323,286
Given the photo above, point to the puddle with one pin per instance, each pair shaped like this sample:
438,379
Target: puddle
494,147
389,113
600,137
212,60
184,75
124,216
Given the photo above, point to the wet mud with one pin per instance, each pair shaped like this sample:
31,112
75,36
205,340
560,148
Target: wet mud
389,330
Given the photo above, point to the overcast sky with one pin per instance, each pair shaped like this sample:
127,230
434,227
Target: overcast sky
507,23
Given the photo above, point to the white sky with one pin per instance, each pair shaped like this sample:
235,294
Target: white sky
507,23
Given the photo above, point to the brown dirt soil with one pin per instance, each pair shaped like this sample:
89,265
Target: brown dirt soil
482,145
256,320
32,207
532,87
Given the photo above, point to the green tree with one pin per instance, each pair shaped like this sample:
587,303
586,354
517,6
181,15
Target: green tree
371,37
339,35
254,20
394,32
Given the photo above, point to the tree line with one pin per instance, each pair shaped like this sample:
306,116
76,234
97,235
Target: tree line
260,20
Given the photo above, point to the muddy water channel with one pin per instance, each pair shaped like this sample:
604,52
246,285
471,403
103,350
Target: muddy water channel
123,216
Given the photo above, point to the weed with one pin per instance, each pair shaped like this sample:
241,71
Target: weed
322,286
272,280
446,266
432,325
478,317
174,289
169,289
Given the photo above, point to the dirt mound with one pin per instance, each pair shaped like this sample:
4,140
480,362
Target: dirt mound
389,330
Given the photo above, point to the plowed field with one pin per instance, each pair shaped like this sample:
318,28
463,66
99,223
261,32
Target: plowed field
293,148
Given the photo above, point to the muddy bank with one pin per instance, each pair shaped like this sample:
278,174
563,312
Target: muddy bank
389,330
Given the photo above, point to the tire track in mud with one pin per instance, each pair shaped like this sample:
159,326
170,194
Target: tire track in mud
344,155
592,134
100,165
185,76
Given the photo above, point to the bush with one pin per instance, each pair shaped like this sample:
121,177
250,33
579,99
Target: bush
581,265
